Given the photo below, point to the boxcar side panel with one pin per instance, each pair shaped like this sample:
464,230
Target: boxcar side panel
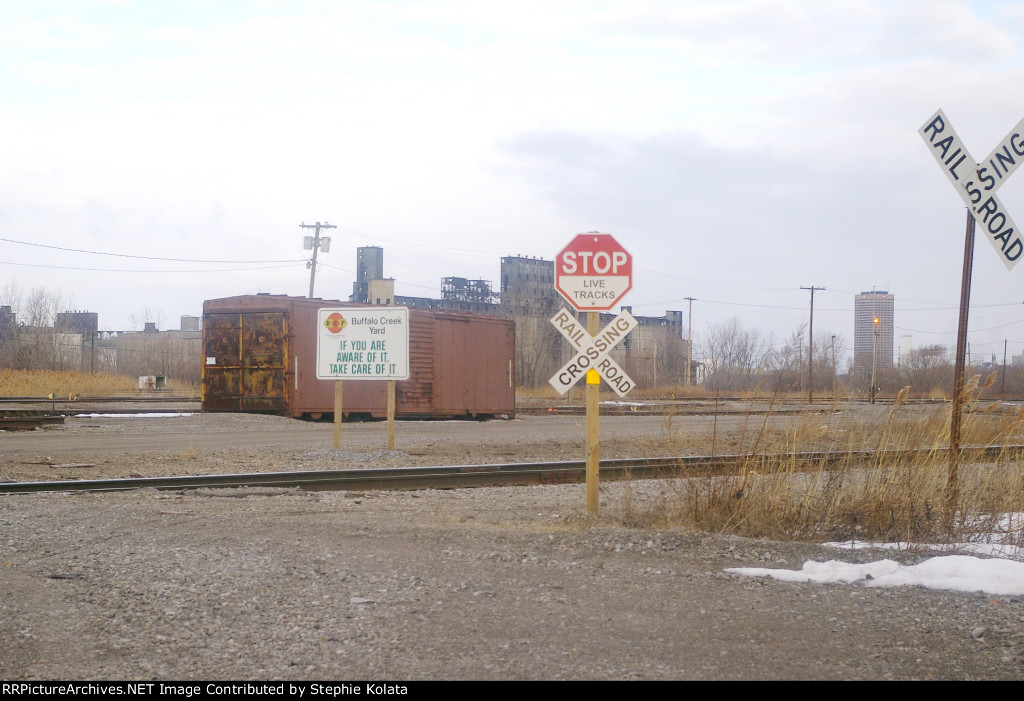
491,390
473,361
451,367
493,349
415,396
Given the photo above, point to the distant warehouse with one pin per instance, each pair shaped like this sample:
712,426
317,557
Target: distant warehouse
259,355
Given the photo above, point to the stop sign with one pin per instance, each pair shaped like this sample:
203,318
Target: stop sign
593,272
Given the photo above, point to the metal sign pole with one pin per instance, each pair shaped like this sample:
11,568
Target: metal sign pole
976,183
953,480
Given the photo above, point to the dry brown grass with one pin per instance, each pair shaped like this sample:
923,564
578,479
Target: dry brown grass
68,383
673,392
888,497
545,392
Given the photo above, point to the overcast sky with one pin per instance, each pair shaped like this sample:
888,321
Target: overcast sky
739,150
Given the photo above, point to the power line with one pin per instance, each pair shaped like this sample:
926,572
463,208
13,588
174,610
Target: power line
465,251
714,283
140,270
128,255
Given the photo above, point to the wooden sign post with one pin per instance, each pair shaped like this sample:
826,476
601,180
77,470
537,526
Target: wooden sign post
363,343
592,274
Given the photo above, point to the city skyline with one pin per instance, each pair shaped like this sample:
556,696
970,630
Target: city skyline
868,304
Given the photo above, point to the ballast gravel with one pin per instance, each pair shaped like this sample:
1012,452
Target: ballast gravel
492,583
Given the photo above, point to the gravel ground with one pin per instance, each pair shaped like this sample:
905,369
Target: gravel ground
502,583
92,447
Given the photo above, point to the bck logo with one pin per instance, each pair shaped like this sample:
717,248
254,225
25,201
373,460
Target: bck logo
335,323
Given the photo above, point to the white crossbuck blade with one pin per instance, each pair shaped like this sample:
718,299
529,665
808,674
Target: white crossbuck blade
976,183
593,351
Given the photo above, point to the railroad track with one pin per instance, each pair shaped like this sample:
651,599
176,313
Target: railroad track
64,401
676,409
466,476
727,405
27,419
641,407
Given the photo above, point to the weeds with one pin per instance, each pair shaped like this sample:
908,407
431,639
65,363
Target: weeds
897,495
68,383
193,452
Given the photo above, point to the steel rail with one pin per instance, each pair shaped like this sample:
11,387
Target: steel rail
696,407
35,399
501,474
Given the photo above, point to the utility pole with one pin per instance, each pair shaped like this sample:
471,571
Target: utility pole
810,348
835,374
689,341
316,243
1003,390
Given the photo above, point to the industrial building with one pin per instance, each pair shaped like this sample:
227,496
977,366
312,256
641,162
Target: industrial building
529,284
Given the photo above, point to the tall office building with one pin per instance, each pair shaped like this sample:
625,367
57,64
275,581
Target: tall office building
867,307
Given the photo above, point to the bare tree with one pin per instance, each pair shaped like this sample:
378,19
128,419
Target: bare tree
787,364
30,340
927,369
829,348
146,315
538,347
141,353
11,295
670,361
40,307
734,357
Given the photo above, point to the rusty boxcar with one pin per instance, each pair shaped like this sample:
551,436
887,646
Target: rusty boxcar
260,356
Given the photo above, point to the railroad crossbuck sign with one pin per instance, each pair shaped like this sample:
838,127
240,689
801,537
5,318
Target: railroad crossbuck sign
592,352
593,272
977,182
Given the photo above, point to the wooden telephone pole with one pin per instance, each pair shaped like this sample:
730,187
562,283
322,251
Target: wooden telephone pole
315,242
810,348
689,342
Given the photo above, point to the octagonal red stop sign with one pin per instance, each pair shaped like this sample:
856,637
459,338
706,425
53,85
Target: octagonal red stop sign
593,272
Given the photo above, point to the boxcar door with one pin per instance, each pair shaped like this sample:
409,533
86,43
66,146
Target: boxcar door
244,362
222,362
263,361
